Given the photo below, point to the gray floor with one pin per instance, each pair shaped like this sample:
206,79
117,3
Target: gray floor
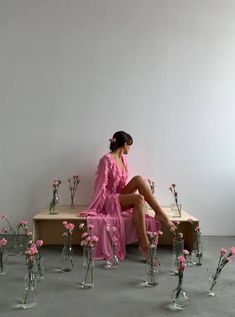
119,292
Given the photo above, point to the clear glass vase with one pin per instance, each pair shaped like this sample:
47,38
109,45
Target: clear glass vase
112,263
178,248
3,261
67,254
213,282
88,280
197,252
39,267
54,203
15,247
151,268
176,210
179,298
29,299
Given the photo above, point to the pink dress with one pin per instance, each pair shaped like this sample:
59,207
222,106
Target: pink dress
105,209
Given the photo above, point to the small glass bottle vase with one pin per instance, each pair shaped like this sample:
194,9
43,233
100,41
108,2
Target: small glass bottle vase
179,297
197,252
54,203
178,248
67,254
16,247
3,261
112,262
213,282
88,280
29,299
39,267
151,268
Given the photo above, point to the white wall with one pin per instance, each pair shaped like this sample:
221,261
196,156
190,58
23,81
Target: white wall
72,72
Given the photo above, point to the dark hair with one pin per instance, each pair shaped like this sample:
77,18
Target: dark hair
119,139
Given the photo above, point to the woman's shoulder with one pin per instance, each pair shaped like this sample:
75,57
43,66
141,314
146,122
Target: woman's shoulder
105,158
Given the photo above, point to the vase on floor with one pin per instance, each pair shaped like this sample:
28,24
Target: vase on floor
112,262
29,299
67,254
16,247
179,297
178,248
151,268
39,267
88,269
213,282
197,252
3,261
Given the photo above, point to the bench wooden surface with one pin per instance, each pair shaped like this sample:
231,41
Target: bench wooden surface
50,228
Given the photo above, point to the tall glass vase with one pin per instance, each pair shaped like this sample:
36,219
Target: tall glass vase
39,267
151,268
67,254
16,247
112,263
3,261
213,282
197,252
179,297
178,248
54,203
29,299
88,280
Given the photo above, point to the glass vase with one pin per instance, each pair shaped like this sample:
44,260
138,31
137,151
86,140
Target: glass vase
67,254
112,263
176,210
151,268
197,252
54,203
213,282
179,297
16,247
88,281
72,202
3,261
29,299
39,267
178,248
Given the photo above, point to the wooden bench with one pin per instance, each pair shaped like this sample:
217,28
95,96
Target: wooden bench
50,228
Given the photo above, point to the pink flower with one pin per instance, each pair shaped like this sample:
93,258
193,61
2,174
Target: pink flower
176,222
65,222
190,220
88,239
181,235
181,259
83,243
3,242
186,252
81,225
197,229
84,235
69,226
4,230
229,259
39,243
232,250
95,239
160,233
23,222
4,216
223,251
29,233
90,227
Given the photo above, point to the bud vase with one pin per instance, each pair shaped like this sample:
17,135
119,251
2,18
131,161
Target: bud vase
54,203
197,252
72,202
178,248
176,210
88,281
39,267
112,263
3,261
30,289
179,297
67,254
213,282
151,269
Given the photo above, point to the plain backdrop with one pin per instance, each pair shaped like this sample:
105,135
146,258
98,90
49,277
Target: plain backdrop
72,72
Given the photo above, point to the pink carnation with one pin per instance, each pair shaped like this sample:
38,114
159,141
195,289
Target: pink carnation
83,243
95,239
160,233
65,222
186,252
84,235
229,259
190,220
223,251
81,225
3,242
39,243
69,226
181,259
29,233
232,250
197,229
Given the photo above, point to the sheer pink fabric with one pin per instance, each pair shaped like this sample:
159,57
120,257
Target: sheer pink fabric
105,209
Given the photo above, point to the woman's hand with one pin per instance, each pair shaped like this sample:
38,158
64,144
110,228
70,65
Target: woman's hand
171,226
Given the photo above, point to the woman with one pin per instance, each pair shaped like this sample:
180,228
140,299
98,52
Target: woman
113,198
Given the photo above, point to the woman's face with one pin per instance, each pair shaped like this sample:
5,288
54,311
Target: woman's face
126,148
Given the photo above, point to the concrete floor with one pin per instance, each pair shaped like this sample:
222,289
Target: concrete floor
119,292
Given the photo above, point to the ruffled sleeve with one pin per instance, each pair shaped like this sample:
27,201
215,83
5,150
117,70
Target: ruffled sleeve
100,192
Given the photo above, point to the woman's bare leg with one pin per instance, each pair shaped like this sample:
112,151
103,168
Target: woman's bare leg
140,184
137,202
